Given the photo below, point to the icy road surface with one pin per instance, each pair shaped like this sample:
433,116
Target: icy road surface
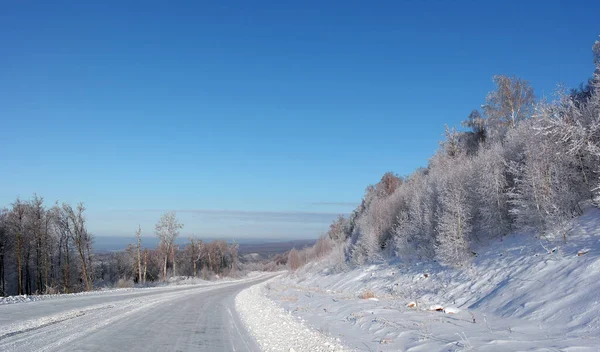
174,318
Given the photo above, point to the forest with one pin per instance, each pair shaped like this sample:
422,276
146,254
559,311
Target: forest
49,250
517,164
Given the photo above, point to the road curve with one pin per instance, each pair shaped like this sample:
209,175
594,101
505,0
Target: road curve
181,318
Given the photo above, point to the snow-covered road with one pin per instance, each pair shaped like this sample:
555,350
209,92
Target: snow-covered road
179,318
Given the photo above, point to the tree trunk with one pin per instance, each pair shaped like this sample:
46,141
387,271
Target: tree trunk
59,262
139,254
145,264
67,279
2,285
165,267
19,267
47,256
27,273
89,259
38,264
84,273
173,260
46,272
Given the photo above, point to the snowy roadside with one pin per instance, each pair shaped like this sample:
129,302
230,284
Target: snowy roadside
276,330
520,293
171,284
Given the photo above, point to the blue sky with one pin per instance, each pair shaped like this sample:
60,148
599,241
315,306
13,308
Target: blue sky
254,119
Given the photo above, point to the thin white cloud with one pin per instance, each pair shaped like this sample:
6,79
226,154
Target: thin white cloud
249,215
341,204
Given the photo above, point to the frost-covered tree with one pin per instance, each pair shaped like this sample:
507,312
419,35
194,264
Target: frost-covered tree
17,224
138,236
522,165
72,222
573,125
512,101
548,184
374,225
293,260
454,211
476,123
167,230
490,186
414,233
337,230
4,243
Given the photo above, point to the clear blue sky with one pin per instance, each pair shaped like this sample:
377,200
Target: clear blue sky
254,119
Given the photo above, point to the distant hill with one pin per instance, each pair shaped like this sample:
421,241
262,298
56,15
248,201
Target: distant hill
274,247
251,245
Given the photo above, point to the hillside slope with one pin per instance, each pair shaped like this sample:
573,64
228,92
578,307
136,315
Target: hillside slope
519,293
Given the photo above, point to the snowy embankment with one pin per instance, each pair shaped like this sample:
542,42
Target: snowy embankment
276,330
172,282
519,293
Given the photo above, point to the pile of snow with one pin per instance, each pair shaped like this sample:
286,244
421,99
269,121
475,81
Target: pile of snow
519,293
186,280
276,330
18,299
34,298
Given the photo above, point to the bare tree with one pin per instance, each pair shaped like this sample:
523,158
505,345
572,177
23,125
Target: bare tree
17,225
4,241
476,123
139,254
37,215
512,101
167,230
388,184
196,252
61,223
72,222
293,260
174,248
145,265
233,255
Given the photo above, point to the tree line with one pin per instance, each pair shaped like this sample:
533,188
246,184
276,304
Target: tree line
517,164
46,250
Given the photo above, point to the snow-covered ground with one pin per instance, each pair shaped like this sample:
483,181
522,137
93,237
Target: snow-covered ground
276,330
519,294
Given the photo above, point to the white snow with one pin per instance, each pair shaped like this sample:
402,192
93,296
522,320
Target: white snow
451,310
173,281
276,330
517,295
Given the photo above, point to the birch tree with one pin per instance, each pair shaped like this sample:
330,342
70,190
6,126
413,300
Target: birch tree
17,225
512,101
4,242
72,222
167,230
491,190
139,254
455,208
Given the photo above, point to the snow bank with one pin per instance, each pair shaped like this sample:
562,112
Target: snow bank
520,293
276,330
34,298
